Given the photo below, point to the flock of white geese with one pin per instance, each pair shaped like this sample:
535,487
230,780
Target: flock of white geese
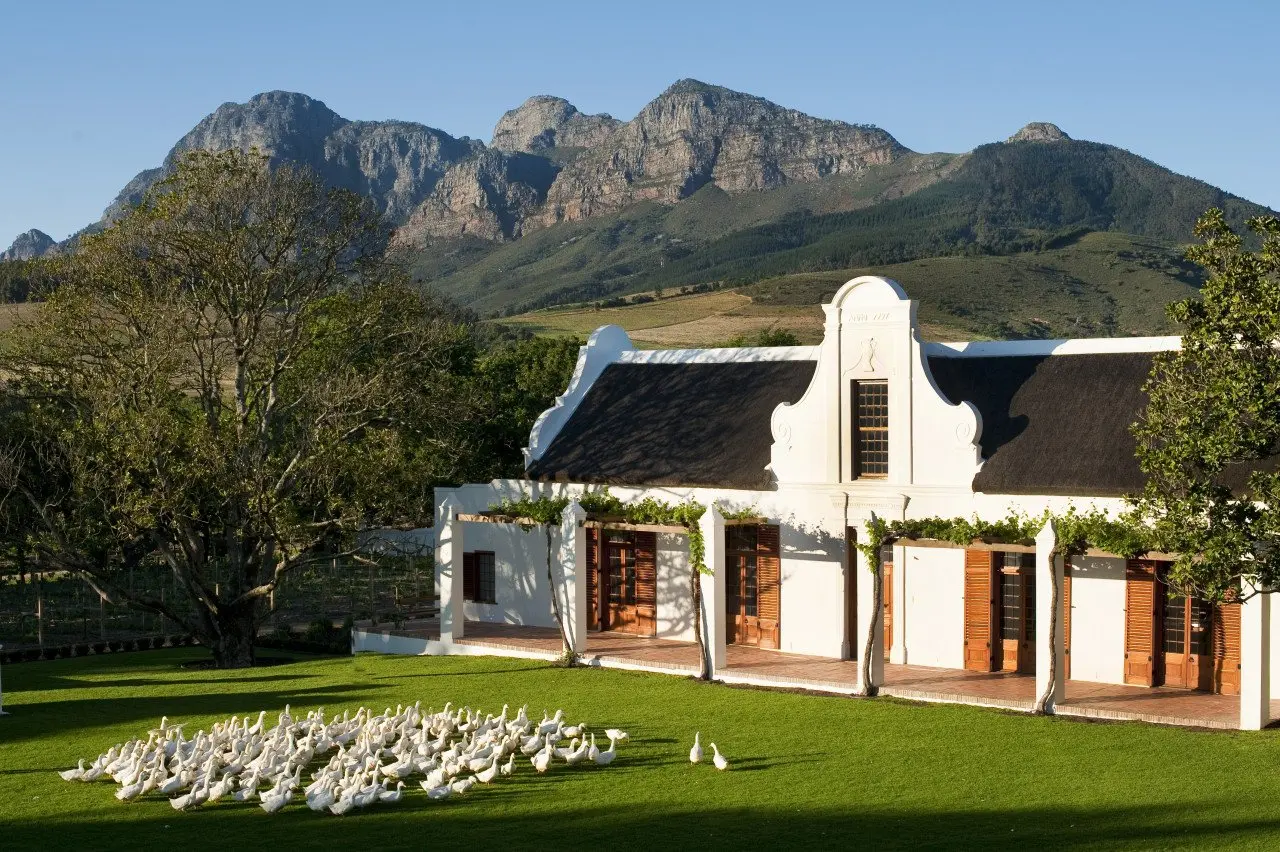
371,756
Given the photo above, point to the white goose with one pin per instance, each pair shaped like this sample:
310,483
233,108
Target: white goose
695,753
719,759
606,757
76,774
542,759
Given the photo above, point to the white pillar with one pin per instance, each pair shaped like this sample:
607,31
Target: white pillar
449,549
870,617
898,648
713,582
1255,660
572,592
1051,645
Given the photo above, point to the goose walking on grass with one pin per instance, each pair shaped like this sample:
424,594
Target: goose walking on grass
542,759
719,759
76,774
604,758
615,734
695,753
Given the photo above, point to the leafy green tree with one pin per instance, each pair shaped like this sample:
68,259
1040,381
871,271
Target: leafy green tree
515,382
232,379
1213,420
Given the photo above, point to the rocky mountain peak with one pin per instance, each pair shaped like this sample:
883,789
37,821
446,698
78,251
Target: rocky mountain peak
696,133
32,244
1039,131
544,122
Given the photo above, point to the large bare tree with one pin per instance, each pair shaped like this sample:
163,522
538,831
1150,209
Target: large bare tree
232,379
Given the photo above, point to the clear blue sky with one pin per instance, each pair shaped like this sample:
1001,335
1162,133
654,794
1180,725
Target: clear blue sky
93,92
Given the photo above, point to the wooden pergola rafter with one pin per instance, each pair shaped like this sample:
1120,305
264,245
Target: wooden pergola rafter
599,521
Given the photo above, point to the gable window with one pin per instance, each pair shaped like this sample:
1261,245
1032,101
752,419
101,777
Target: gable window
870,430
479,580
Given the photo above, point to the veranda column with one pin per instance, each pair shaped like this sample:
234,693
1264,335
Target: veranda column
870,617
449,548
1051,646
898,607
1255,660
713,602
572,594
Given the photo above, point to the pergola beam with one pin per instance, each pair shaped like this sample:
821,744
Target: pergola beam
603,522
1017,547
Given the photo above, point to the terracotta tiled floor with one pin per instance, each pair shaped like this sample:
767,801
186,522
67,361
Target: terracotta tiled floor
1007,690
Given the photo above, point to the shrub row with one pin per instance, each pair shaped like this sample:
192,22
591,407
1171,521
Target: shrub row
85,649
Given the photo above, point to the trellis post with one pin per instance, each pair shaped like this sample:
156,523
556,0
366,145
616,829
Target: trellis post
449,549
573,579
713,588
1051,647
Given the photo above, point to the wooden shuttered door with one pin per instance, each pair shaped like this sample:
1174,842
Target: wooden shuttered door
593,578
769,583
979,611
1140,618
469,583
1226,648
646,583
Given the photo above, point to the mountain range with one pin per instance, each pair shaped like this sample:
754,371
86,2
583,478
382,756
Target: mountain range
704,185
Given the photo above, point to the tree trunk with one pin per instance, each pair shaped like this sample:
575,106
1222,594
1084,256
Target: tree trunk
232,647
704,656
566,647
1042,701
876,623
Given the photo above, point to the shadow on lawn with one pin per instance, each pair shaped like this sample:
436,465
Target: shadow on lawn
524,819
36,719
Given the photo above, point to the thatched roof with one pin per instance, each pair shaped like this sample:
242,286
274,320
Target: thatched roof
691,424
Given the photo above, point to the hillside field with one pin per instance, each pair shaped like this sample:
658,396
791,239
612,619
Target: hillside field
1101,285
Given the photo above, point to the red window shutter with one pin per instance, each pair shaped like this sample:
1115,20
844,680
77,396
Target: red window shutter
646,544
979,608
593,579
886,569
769,585
1066,613
1226,648
1139,622
469,576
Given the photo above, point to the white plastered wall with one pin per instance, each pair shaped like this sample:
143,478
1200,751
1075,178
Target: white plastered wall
933,618
675,601
812,591
1097,619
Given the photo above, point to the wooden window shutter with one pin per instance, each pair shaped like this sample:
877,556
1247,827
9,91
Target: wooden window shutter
1226,648
469,576
1066,614
646,582
769,585
979,611
593,579
1139,623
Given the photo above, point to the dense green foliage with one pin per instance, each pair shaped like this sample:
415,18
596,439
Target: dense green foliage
18,280
513,383
806,771
1076,532
1207,438
232,380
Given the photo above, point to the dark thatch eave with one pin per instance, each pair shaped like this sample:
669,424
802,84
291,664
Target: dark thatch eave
1053,424
699,424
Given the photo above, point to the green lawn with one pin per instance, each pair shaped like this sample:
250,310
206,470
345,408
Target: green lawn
807,770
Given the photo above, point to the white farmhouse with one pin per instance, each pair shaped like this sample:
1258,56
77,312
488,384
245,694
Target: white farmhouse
815,441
